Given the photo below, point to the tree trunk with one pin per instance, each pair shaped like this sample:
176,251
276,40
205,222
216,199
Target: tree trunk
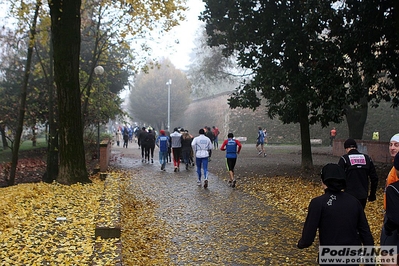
22,104
307,161
52,147
65,29
356,119
3,136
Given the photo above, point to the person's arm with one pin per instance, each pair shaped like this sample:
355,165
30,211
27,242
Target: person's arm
223,147
311,225
342,162
239,146
373,182
363,228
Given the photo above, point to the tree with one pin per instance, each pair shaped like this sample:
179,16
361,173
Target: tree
298,60
23,96
65,30
148,99
210,72
368,59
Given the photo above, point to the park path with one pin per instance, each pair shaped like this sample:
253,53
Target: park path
218,225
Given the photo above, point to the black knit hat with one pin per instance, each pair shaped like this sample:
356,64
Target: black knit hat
333,176
396,161
350,143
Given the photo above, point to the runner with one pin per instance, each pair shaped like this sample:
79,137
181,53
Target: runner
232,148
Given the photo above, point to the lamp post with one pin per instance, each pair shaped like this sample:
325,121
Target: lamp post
168,84
98,70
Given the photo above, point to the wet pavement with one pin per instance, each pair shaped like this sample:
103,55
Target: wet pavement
219,225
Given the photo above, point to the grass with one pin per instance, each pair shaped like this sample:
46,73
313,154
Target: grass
6,155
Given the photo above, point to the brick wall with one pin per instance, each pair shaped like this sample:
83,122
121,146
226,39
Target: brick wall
377,150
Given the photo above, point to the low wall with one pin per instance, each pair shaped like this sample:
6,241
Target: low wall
377,150
105,154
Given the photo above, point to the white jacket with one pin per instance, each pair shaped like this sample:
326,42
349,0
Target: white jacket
201,146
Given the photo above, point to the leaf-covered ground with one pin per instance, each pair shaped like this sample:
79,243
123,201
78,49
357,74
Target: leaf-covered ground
33,230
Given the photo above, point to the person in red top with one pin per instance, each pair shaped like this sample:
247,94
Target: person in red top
333,134
232,148
216,133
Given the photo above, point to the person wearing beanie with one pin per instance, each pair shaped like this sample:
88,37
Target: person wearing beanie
232,148
162,143
360,172
338,216
389,233
201,146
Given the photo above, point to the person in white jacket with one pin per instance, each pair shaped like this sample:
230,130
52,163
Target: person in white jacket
201,146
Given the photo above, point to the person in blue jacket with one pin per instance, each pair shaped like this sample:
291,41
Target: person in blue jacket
163,145
232,148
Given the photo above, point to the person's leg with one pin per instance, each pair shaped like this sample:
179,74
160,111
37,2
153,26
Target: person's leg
186,158
179,156
161,157
198,162
152,153
142,153
176,157
232,166
205,167
147,154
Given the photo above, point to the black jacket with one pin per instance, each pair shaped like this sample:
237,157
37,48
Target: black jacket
359,169
340,219
392,202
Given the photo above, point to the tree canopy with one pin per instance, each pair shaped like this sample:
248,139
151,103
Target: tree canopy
300,56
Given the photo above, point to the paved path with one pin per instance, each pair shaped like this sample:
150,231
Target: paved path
215,226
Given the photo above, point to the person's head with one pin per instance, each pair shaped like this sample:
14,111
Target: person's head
260,128
333,177
176,129
213,127
230,135
201,131
350,144
394,145
162,132
143,128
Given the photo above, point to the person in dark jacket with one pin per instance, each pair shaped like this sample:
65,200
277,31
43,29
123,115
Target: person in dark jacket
389,234
360,171
337,215
186,149
141,140
150,145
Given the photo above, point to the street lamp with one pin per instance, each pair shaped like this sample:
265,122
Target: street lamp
168,84
98,70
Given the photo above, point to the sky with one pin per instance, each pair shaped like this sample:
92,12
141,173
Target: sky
182,37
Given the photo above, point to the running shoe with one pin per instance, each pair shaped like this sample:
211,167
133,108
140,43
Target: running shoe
230,183
152,161
175,169
198,183
205,183
162,167
264,155
233,184
260,152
